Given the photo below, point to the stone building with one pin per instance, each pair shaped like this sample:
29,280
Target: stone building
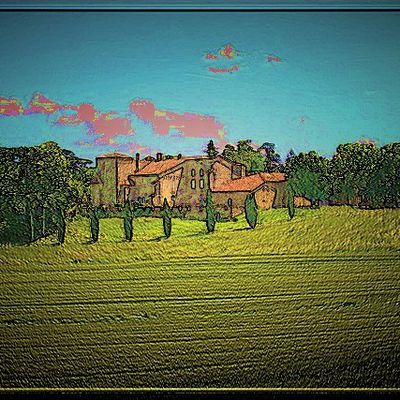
184,182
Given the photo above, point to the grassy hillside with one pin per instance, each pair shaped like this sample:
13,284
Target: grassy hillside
310,302
329,230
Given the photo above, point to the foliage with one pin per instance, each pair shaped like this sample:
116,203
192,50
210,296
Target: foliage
210,212
94,216
250,209
211,150
127,215
245,154
167,219
308,184
290,203
60,224
36,182
272,160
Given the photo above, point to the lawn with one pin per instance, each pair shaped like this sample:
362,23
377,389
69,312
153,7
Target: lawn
312,302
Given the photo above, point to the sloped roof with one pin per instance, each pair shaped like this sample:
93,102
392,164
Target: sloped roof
159,167
114,155
250,182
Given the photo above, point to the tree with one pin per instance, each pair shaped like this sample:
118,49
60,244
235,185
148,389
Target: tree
167,223
127,214
210,212
250,208
309,175
94,224
290,203
245,154
353,165
308,184
272,160
60,224
211,150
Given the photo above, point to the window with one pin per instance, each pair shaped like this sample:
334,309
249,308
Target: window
193,183
201,184
201,172
193,172
230,202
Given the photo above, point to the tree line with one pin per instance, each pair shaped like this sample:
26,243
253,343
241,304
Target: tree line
40,187
358,174
43,186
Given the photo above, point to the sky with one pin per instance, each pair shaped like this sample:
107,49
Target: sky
155,81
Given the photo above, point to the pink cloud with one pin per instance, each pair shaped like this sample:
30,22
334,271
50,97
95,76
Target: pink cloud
189,124
10,107
40,104
224,70
103,124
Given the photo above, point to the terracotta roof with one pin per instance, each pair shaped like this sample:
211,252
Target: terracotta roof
159,167
114,155
250,182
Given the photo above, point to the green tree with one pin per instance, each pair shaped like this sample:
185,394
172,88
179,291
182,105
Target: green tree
272,160
309,175
210,212
127,214
167,220
245,154
60,224
211,150
251,212
353,165
94,224
290,203
308,184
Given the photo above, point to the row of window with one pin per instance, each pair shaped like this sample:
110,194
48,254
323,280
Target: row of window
193,183
201,172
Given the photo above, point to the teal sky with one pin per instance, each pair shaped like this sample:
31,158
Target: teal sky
338,82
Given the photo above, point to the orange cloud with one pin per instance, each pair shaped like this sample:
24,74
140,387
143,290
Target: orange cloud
228,51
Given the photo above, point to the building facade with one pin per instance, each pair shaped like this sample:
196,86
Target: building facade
183,182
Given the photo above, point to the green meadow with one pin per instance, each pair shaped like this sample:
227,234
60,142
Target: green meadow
311,302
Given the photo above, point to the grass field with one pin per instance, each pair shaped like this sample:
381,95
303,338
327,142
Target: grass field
312,302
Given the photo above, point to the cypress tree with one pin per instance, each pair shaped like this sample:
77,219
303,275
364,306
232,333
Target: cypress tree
167,224
128,221
211,150
94,225
61,225
290,204
210,212
250,208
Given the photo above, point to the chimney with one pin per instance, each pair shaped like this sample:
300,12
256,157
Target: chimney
159,157
137,161
179,156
